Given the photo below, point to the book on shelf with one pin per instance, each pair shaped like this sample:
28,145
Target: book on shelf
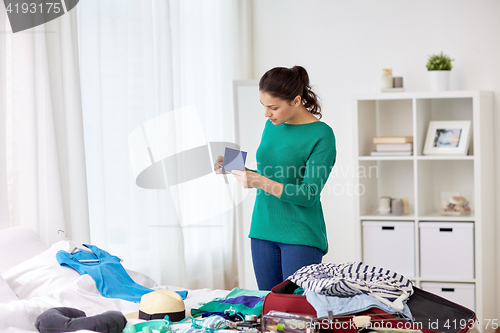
392,139
391,153
394,147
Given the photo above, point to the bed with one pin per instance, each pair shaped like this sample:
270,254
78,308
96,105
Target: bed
32,281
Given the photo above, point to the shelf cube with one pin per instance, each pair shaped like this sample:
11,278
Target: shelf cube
447,250
461,293
390,244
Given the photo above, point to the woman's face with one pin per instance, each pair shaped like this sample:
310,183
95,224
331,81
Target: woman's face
278,110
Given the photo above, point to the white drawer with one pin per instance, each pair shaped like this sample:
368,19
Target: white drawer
391,245
447,250
460,293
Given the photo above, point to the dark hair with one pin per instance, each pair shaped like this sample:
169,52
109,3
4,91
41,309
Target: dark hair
288,83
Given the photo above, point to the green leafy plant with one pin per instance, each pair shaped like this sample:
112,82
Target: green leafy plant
439,62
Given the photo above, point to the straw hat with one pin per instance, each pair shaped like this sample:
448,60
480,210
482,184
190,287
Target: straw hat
158,304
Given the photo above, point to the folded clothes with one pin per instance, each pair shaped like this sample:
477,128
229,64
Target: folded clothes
340,306
228,315
64,319
238,300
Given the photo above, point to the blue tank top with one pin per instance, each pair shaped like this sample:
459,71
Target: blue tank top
108,273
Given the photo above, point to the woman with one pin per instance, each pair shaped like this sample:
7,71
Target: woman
294,160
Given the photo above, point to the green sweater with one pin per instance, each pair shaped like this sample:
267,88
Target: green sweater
301,158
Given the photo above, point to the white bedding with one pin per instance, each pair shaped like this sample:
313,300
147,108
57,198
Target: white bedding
38,283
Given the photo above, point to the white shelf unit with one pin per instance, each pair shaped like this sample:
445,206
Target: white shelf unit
421,178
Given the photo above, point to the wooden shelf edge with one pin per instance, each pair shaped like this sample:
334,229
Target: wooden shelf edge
387,217
444,280
420,95
438,217
418,158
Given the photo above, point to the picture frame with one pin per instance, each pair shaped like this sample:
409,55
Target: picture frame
448,138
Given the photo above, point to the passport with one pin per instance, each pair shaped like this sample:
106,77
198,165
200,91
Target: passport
234,160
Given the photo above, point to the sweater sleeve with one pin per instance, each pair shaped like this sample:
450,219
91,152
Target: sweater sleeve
317,169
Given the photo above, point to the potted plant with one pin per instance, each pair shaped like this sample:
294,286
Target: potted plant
439,67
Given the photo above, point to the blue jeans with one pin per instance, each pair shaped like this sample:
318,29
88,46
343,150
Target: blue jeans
274,262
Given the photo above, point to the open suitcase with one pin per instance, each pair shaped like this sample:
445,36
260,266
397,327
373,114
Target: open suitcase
431,313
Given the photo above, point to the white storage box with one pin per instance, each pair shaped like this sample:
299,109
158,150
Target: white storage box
391,245
460,293
447,250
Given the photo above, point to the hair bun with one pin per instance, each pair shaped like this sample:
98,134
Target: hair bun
287,83
301,71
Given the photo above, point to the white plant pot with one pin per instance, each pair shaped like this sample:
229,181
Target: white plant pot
439,80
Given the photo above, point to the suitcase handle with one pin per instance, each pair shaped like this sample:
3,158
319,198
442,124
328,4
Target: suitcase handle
446,229
387,228
452,290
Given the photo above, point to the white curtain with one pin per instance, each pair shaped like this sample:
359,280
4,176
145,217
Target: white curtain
144,66
42,161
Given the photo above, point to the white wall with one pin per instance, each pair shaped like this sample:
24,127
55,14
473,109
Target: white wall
345,44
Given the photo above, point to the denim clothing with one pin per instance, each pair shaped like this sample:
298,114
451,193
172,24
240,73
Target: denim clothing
274,262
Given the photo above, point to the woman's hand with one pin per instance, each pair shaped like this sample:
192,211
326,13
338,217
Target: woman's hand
248,179
218,165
